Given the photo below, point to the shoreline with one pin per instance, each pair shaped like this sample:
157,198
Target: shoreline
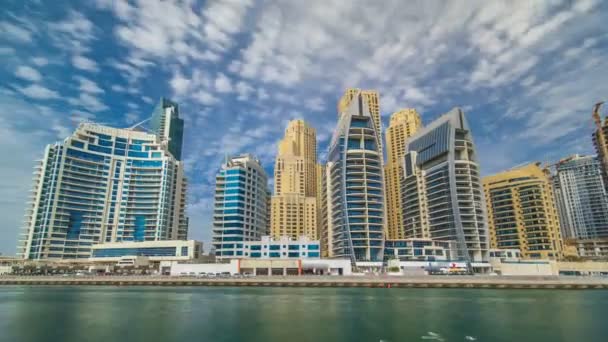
470,282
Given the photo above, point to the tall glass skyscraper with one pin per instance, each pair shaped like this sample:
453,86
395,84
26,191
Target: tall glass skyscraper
103,184
355,185
168,126
582,202
241,205
443,197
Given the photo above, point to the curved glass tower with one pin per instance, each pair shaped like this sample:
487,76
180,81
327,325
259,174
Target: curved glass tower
103,184
355,186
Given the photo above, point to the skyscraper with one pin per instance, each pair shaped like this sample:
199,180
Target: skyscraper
294,203
600,141
372,101
355,183
168,126
241,205
103,184
442,196
403,124
581,197
522,212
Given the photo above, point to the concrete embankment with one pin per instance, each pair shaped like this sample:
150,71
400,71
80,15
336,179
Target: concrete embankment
478,282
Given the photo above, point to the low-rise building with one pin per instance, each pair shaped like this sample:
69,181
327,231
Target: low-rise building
420,250
155,251
589,248
262,267
283,248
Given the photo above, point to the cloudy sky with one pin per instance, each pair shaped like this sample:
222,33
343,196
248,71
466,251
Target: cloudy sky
527,74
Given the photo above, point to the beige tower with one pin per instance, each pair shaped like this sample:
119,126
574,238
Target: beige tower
522,212
294,204
403,125
373,101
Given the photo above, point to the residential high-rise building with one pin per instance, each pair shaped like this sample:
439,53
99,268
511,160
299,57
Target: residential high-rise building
241,205
522,212
169,127
372,101
442,196
582,201
355,184
294,203
320,173
600,141
403,124
103,184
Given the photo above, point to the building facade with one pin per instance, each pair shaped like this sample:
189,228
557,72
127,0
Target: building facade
420,249
589,248
355,185
403,124
168,126
522,213
168,250
293,210
100,185
241,205
282,248
442,196
582,201
600,141
372,102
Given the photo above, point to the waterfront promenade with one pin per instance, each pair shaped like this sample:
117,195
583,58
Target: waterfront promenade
479,282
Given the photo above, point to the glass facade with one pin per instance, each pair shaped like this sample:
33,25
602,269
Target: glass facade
101,185
355,186
240,206
167,124
442,195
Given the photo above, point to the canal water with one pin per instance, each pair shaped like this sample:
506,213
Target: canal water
108,314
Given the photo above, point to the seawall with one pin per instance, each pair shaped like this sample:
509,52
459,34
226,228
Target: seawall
475,282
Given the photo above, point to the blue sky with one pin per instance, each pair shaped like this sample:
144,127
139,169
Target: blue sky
527,73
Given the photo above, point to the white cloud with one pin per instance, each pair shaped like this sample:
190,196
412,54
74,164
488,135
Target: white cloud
147,99
179,84
39,92
204,97
316,104
88,102
222,83
131,118
84,63
28,73
223,19
40,61
88,86
243,89
15,32
73,34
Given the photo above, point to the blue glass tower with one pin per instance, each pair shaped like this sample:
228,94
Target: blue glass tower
241,206
168,126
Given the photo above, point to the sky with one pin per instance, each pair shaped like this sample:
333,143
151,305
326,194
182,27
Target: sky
526,73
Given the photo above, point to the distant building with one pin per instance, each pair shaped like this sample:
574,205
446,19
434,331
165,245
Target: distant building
241,206
442,194
169,250
168,126
522,212
355,184
403,124
100,185
282,248
600,142
581,197
293,210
